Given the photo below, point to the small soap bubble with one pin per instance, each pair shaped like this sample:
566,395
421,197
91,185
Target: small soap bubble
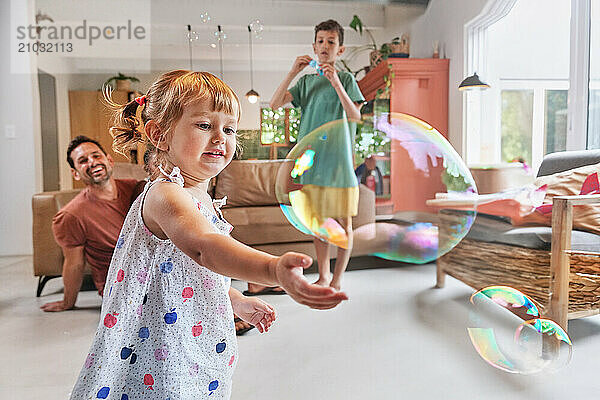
220,35
256,27
507,332
192,36
204,17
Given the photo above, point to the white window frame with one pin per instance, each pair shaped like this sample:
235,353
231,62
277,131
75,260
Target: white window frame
475,47
579,75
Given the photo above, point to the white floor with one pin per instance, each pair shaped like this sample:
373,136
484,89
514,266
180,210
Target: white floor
396,338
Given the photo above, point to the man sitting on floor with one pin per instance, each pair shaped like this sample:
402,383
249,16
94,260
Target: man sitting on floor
88,227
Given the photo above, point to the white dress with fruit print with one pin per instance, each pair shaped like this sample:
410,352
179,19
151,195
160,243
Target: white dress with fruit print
166,330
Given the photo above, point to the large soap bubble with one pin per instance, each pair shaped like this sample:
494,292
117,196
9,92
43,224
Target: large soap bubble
317,189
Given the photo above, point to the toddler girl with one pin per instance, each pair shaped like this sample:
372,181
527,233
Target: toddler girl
166,328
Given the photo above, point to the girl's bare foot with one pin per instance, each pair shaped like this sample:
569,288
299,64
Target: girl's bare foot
323,281
336,285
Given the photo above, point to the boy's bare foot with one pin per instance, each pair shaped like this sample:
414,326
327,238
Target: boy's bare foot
323,281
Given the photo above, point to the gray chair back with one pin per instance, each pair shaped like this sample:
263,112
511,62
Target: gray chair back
566,160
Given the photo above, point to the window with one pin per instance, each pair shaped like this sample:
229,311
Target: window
517,125
543,98
279,127
555,105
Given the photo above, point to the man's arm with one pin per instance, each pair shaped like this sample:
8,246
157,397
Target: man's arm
72,274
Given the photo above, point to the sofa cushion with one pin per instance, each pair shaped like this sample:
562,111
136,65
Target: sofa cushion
262,225
249,182
494,229
566,160
568,183
123,170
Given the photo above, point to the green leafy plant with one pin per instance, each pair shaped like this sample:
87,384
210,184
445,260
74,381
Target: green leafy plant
120,77
387,79
357,25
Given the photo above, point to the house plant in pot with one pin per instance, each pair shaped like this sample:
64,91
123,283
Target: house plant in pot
123,82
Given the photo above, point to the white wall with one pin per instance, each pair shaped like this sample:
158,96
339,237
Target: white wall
20,158
444,21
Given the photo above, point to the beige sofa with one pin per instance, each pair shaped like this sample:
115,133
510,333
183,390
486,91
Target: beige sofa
252,209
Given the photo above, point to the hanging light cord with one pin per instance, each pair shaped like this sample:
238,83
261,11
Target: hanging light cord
189,28
221,50
251,64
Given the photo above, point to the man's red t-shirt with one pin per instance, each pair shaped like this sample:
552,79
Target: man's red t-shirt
94,224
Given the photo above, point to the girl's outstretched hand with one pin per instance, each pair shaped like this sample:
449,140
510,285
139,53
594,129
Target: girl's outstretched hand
288,270
256,312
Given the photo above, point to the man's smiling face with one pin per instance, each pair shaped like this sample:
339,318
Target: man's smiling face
92,166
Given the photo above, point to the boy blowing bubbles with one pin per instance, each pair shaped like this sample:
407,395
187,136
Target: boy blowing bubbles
328,46
322,99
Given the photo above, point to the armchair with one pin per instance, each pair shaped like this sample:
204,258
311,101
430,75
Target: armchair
558,267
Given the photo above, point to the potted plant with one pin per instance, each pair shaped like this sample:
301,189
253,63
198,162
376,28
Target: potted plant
123,81
376,54
399,47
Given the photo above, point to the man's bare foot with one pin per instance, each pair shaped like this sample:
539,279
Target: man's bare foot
323,281
241,326
254,290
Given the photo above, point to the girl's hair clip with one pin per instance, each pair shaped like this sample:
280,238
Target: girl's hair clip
141,100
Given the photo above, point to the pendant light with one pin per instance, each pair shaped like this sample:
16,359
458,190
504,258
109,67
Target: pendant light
252,94
472,82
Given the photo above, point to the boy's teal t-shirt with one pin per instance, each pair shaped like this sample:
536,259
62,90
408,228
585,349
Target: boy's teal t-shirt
320,104
319,101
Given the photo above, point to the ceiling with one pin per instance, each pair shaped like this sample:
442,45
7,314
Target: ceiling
385,2
288,31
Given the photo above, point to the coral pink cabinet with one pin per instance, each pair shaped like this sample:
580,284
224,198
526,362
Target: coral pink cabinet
419,87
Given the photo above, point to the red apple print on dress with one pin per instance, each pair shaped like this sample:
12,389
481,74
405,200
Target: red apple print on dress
120,276
197,329
110,320
208,283
188,293
89,360
231,360
161,353
149,381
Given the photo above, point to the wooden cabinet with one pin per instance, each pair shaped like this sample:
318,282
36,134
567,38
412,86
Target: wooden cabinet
419,87
90,117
